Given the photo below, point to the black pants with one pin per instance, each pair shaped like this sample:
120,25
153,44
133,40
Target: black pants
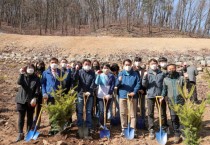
194,97
22,110
151,106
176,125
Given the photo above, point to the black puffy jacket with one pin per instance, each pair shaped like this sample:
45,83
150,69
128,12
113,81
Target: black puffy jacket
29,88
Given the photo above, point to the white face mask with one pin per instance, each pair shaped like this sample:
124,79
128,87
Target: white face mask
63,65
87,68
153,66
137,63
163,64
127,68
105,71
30,70
54,66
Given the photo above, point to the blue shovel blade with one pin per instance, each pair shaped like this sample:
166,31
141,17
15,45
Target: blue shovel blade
161,137
129,133
104,133
36,134
29,136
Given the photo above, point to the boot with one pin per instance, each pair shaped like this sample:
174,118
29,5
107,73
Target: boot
20,137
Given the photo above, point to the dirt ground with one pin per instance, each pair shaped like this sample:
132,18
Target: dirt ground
9,73
102,45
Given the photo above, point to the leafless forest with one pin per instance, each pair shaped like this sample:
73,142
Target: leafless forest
82,17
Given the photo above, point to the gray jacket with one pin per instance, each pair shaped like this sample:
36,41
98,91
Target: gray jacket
192,73
153,83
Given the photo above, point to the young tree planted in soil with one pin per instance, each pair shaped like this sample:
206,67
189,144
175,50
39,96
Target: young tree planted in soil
64,107
190,115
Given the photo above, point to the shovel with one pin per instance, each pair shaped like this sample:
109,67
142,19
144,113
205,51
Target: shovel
33,134
115,120
34,121
161,136
105,132
129,132
83,131
140,124
95,117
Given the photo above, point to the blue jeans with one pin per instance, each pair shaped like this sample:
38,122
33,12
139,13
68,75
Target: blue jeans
110,115
101,110
89,105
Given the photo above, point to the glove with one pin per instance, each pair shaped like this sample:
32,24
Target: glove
22,71
145,74
186,75
45,96
107,97
120,78
131,94
33,102
87,94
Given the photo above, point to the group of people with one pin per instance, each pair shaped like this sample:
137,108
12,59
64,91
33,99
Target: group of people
99,81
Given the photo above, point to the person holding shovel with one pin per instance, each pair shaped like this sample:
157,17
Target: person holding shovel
128,84
86,84
26,98
50,83
153,82
106,83
163,62
142,91
171,93
39,69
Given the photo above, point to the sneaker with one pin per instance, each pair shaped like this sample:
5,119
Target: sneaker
151,134
135,134
20,137
177,139
91,131
122,133
52,132
101,127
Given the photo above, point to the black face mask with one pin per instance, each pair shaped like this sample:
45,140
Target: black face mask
172,73
40,69
185,69
95,67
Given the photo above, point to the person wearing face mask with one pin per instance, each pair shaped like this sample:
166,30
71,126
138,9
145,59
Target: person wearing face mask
163,64
141,70
39,69
96,65
26,98
170,92
115,71
128,84
191,71
66,84
86,84
50,83
106,83
153,82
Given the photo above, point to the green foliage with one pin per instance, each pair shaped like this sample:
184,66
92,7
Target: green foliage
64,106
190,115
